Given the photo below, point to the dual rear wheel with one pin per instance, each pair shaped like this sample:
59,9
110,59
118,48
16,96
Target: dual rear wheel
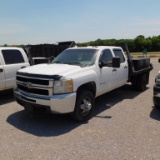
140,82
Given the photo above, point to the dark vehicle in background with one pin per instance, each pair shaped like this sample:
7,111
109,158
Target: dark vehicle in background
156,91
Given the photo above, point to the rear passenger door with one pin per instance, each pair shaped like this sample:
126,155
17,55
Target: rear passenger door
13,61
122,72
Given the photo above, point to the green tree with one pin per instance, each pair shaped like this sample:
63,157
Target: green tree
156,43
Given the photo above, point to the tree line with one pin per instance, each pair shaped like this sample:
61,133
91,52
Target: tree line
139,44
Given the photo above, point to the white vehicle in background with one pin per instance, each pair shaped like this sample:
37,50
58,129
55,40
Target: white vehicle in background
11,60
14,58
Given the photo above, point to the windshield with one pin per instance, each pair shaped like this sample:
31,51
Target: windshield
81,57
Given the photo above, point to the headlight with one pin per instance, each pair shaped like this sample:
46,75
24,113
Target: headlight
63,86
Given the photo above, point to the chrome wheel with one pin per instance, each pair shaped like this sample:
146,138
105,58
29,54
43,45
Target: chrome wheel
85,106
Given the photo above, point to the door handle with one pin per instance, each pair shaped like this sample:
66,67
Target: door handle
114,70
1,70
125,67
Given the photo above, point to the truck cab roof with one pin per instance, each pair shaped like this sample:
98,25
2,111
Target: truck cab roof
5,48
97,47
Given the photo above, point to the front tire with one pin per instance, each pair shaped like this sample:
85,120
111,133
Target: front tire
84,106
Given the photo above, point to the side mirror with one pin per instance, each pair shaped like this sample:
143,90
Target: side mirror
116,62
159,60
102,64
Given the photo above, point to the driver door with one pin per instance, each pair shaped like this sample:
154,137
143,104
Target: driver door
107,74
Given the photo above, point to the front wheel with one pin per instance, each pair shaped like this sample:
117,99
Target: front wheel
84,106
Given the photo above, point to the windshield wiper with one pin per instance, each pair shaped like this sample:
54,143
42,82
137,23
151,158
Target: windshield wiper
69,63
58,62
74,62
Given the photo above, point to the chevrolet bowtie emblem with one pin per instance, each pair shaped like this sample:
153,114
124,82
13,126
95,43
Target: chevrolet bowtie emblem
28,85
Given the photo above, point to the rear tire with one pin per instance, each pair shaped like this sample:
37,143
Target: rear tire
84,106
142,83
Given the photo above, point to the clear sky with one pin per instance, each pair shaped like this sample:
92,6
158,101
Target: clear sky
50,21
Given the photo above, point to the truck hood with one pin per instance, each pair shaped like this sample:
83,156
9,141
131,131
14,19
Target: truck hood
52,69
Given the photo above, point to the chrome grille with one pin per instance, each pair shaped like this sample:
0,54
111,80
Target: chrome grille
34,81
33,90
35,85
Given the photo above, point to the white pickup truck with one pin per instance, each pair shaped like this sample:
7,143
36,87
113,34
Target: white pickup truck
76,77
11,60
14,58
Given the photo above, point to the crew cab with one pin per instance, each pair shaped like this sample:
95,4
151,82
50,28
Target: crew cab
11,60
72,81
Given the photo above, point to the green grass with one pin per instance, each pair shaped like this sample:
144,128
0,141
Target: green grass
149,54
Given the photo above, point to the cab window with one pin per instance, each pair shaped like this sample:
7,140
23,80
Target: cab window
12,56
119,53
106,56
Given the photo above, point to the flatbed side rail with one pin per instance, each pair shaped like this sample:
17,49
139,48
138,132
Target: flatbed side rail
132,71
135,73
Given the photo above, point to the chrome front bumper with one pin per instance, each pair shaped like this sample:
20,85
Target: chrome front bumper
63,103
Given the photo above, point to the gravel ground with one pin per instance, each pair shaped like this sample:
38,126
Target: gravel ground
124,127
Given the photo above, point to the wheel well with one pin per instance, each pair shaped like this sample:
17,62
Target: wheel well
91,86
